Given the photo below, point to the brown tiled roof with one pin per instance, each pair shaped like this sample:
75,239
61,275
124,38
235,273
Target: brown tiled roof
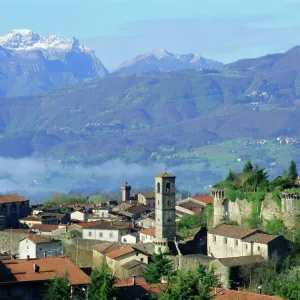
191,205
207,199
223,294
165,175
106,247
119,252
38,239
148,231
115,225
138,209
44,227
11,198
31,218
241,260
232,231
261,238
148,195
21,270
133,264
87,224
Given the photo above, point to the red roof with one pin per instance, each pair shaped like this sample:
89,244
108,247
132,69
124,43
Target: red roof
223,294
38,239
148,231
21,270
120,252
44,227
232,231
11,198
88,224
207,199
106,247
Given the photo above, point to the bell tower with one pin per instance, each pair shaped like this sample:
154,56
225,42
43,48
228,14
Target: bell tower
165,228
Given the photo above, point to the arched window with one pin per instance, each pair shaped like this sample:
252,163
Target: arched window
158,187
168,187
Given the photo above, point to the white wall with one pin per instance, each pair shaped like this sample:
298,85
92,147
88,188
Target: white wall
145,238
104,234
146,223
129,239
80,216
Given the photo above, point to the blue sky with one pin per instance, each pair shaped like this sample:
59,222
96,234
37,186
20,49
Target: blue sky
224,30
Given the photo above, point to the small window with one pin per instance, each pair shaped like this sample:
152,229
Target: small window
40,249
258,248
158,202
111,235
236,242
246,247
142,259
136,254
103,214
158,187
225,240
215,238
100,234
90,233
168,202
168,187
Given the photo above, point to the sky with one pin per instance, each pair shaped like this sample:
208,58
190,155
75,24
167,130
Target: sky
224,30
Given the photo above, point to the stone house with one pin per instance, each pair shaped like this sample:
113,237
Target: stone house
44,229
13,207
147,222
107,231
80,215
147,199
147,235
230,241
136,212
27,279
130,238
36,246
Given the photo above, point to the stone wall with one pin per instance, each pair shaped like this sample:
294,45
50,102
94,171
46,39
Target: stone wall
269,209
9,241
239,211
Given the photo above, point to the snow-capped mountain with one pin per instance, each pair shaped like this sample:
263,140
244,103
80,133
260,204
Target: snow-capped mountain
31,63
161,60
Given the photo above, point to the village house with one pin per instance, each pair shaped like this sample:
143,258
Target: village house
80,215
130,238
136,212
147,199
147,235
147,222
193,205
27,279
36,246
106,231
44,229
231,241
12,208
38,219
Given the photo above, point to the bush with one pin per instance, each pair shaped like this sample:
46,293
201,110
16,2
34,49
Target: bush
274,226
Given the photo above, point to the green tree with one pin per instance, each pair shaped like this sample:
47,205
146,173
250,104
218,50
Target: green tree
258,179
158,267
58,288
102,284
231,177
248,168
292,172
288,284
195,284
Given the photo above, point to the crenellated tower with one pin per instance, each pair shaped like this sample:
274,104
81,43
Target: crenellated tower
290,207
219,209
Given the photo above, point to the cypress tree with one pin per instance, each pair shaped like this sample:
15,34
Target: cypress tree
292,172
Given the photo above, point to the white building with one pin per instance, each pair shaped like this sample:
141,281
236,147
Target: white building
36,246
147,221
130,238
147,199
147,235
230,241
107,231
80,215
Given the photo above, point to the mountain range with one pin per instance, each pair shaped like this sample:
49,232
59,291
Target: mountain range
31,63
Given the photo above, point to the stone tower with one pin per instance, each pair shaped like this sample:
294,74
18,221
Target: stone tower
165,229
125,191
219,208
290,207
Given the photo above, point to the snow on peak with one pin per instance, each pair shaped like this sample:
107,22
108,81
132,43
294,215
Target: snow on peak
25,39
160,53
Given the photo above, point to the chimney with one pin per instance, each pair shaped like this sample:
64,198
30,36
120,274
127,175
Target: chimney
28,257
133,279
36,268
45,253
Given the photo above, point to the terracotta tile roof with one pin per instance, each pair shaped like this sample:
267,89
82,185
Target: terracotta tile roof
38,239
87,224
232,231
44,227
106,247
138,208
21,270
11,198
241,260
120,252
107,225
223,294
191,205
261,238
165,175
148,195
32,218
148,231
207,199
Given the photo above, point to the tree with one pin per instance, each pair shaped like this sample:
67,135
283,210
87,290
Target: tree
58,288
248,168
158,267
102,284
231,177
195,284
258,178
288,284
292,172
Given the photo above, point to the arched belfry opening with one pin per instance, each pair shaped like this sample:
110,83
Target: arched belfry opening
168,187
158,187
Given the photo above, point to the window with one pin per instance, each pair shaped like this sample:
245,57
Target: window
246,247
158,202
90,233
142,259
225,240
158,187
168,202
100,234
111,235
236,242
136,254
103,214
168,187
215,238
258,248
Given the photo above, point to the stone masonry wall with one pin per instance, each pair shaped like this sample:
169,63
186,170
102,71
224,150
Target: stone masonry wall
10,241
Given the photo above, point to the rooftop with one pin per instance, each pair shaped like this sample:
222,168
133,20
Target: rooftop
223,294
38,239
232,231
133,264
207,199
148,195
241,260
165,175
148,231
106,247
261,238
11,198
21,270
106,225
44,227
120,252
32,218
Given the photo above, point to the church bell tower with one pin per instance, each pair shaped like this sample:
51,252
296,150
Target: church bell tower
165,229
